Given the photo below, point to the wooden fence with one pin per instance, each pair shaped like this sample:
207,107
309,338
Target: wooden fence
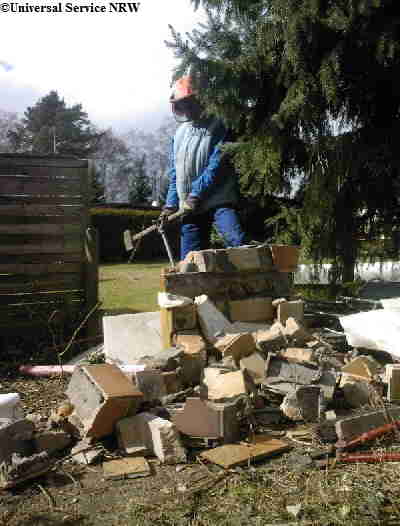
48,252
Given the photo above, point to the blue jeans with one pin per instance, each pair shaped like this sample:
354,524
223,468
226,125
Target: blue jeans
196,229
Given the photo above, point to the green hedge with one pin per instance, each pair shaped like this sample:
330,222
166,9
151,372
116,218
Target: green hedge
111,224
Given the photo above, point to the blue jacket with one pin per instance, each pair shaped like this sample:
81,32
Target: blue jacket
195,166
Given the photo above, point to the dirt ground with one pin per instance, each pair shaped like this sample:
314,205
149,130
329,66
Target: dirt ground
272,492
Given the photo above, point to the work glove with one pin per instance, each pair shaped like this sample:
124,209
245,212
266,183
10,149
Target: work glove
167,211
191,204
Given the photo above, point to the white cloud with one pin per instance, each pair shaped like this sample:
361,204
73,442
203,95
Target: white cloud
116,65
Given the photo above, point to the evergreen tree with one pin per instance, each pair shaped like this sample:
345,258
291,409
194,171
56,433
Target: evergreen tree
50,126
139,186
312,92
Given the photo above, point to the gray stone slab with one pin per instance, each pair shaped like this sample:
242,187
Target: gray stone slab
128,337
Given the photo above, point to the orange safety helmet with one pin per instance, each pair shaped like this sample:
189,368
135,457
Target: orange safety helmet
183,89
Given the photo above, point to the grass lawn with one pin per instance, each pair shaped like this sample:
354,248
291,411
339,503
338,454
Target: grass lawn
130,287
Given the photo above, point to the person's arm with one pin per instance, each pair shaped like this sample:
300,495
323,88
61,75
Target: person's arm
172,200
202,184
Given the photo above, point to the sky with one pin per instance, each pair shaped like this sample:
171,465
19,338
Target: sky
115,64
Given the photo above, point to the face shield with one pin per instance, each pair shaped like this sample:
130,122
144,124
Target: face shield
185,110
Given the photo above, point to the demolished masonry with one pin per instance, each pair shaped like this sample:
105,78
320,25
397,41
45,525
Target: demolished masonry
228,357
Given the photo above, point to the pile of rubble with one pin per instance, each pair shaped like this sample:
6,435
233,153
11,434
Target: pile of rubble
234,363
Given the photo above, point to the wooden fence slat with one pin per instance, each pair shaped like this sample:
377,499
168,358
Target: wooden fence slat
12,161
40,298
27,314
32,269
22,284
30,200
74,175
9,221
17,239
10,185
43,247
43,229
28,210
41,258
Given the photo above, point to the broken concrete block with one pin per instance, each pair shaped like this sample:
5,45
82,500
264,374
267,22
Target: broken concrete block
290,309
230,385
151,383
191,342
177,319
10,406
298,355
102,395
194,356
126,468
235,259
393,381
326,431
304,404
203,419
255,365
273,339
166,443
177,398
17,469
131,435
85,453
166,360
236,345
330,415
363,367
127,337
285,377
147,434
248,326
212,322
268,416
251,310
201,261
229,363
231,455
166,300
211,373
327,383
15,437
296,333
52,441
172,382
290,407
356,392
349,428
285,257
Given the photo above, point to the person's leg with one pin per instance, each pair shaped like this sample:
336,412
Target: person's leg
195,233
227,223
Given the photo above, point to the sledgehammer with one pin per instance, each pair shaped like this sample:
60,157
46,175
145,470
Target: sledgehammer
158,226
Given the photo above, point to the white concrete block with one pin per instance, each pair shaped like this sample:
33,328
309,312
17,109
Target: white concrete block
166,442
128,337
213,323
